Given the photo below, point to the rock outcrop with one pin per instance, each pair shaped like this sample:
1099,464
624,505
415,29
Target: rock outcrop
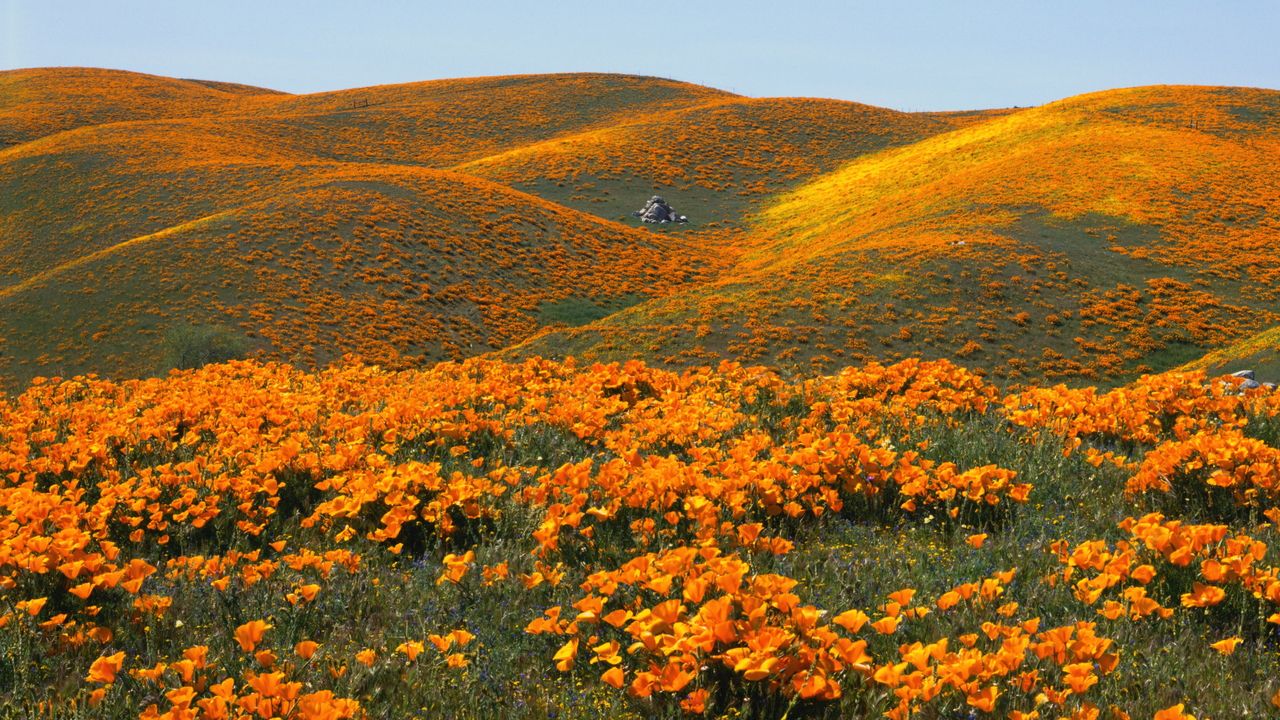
1249,380
658,211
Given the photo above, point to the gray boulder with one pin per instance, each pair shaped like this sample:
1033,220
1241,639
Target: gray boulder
1248,380
656,213
659,211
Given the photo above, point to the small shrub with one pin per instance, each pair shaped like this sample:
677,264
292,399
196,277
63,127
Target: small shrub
187,347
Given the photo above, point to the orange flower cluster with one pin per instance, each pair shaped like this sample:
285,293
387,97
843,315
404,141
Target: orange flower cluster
832,461
908,393
1151,410
1246,468
715,498
1056,666
667,625
260,694
1126,572
266,690
170,458
716,611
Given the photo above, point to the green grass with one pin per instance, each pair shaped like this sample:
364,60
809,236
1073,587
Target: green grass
575,311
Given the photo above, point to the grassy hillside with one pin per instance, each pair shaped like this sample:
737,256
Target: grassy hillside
1096,237
206,209
718,159
395,263
1260,353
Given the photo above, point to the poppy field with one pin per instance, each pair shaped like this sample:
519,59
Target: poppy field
549,539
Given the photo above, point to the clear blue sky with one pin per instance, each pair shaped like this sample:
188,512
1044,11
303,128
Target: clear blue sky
905,54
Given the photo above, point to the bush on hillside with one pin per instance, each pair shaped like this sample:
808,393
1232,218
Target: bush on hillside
187,347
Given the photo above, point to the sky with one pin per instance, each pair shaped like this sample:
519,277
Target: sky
904,54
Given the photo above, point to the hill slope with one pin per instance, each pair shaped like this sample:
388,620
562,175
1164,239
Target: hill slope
1260,353
264,214
1094,237
720,159
397,264
310,224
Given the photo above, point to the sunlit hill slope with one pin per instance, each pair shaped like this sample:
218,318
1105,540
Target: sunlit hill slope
1096,237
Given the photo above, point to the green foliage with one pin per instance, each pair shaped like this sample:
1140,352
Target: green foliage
575,311
187,347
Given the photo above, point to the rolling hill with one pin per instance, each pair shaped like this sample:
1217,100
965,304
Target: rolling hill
315,225
391,262
1093,238
721,158
44,101
1099,237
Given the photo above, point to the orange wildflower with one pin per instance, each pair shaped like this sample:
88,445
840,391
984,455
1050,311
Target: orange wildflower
251,633
104,669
